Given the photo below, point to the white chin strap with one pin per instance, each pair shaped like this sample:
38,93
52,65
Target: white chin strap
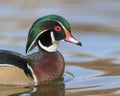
51,48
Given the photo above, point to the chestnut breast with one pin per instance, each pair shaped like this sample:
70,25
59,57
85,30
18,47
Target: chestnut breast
48,66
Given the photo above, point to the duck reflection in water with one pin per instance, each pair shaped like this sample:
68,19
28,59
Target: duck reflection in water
51,89
56,89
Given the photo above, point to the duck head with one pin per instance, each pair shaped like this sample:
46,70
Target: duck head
48,31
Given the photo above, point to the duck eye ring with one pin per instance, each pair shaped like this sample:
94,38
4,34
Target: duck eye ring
57,28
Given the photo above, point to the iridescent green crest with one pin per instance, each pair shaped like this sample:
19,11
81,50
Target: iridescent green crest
38,28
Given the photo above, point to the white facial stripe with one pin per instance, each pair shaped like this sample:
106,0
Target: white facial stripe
52,37
35,39
52,48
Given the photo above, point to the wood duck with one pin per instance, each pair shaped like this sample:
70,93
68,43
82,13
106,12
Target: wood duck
45,65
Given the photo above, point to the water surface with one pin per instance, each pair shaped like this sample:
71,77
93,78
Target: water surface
91,70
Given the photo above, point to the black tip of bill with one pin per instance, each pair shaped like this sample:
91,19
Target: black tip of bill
79,43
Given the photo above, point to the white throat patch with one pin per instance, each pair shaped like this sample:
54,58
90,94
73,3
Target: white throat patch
51,48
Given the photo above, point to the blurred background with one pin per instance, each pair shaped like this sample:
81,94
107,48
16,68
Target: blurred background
96,23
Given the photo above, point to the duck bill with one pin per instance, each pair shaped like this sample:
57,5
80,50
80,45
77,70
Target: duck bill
71,39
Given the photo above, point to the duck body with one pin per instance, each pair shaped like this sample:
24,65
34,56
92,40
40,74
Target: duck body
43,66
32,69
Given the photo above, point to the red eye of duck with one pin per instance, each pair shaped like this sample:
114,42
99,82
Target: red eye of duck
57,28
